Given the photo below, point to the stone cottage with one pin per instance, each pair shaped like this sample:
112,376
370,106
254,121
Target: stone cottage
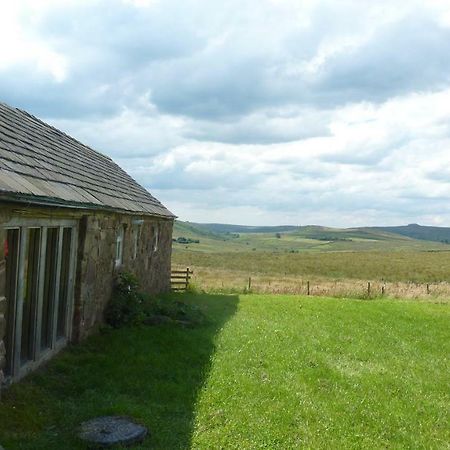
70,219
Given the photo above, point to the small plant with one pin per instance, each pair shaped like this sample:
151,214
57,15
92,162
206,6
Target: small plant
126,304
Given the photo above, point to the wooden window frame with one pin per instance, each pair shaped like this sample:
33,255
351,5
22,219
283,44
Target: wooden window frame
137,229
120,238
156,238
39,356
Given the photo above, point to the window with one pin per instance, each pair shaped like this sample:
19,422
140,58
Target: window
51,261
40,266
136,240
30,293
156,239
119,245
64,283
12,270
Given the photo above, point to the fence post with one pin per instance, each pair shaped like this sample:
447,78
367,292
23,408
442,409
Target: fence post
428,288
307,288
368,289
249,283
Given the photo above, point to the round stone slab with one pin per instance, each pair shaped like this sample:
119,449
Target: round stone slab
107,431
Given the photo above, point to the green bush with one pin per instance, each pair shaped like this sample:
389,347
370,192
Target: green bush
126,304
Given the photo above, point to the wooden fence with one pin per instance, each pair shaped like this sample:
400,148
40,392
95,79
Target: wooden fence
179,279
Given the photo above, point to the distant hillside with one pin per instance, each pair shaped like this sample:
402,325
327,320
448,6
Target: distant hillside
287,238
187,228
226,228
423,233
413,231
345,234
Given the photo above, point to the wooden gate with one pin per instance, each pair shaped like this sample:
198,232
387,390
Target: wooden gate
179,279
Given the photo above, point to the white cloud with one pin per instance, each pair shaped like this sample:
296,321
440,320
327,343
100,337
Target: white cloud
385,158
141,3
19,47
264,111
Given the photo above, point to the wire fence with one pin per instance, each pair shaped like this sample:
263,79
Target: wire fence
218,280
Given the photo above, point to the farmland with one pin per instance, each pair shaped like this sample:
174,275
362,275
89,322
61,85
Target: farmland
214,239
413,266
263,372
336,262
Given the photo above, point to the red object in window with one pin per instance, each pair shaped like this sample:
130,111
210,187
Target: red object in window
6,248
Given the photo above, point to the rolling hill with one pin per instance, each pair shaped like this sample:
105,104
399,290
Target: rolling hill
415,231
238,238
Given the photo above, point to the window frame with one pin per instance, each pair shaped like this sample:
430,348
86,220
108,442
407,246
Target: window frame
120,238
156,237
137,229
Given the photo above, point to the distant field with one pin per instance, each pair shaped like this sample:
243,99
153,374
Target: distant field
311,238
337,262
419,267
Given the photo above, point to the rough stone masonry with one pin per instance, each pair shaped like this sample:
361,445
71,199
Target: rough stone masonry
146,254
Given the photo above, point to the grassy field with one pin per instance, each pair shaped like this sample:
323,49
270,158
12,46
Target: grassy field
311,239
271,372
410,265
338,262
223,281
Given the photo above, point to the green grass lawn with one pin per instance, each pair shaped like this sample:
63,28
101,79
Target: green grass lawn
272,372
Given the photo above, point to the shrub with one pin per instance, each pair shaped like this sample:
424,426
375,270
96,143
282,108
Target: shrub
126,304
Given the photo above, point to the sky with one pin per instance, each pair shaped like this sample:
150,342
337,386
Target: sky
258,112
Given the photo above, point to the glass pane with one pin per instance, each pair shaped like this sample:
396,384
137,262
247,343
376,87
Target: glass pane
64,282
119,246
51,258
12,259
31,278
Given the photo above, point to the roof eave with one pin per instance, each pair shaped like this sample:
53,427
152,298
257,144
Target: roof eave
32,200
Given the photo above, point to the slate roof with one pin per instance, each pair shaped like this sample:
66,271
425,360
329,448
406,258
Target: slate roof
40,164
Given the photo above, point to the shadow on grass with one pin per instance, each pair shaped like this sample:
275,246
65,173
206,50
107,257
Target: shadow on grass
152,374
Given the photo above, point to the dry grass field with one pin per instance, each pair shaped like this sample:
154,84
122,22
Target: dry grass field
412,266
233,281
400,274
335,262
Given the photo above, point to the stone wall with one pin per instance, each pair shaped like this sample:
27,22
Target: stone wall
147,250
96,270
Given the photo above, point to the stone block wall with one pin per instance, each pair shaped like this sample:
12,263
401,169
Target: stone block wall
150,261
147,248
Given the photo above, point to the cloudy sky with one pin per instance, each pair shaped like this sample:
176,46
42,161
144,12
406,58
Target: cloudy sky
249,111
